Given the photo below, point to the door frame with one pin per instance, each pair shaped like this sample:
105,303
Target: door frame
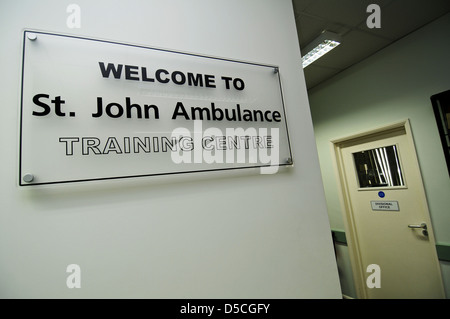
337,145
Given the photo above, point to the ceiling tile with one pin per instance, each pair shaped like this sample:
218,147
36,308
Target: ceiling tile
348,12
348,18
316,74
309,28
300,5
356,46
404,16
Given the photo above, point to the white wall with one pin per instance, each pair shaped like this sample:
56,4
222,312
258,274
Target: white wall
392,85
213,235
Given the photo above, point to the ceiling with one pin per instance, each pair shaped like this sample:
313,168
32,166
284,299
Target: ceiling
348,19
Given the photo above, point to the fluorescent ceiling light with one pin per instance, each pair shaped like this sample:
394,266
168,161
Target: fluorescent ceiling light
323,44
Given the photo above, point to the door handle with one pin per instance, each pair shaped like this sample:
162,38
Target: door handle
422,226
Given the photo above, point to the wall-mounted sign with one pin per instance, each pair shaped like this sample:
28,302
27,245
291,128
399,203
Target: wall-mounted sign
385,205
94,109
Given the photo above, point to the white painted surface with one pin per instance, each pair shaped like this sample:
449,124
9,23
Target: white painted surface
218,235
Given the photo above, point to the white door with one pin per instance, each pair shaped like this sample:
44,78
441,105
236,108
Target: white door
387,216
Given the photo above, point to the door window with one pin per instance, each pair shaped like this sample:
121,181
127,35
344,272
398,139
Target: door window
378,167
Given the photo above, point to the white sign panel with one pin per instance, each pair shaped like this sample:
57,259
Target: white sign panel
385,205
94,109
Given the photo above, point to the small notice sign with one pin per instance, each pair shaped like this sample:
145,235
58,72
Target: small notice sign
385,205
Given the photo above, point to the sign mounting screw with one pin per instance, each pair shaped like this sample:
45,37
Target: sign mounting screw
31,36
28,178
